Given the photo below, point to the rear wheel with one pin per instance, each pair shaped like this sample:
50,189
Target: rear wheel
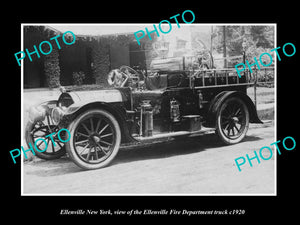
232,120
95,139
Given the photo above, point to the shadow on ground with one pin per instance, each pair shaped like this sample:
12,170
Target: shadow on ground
157,151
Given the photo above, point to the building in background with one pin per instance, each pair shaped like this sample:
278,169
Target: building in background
95,52
94,55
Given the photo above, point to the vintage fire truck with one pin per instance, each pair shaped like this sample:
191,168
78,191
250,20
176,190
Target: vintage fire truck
162,104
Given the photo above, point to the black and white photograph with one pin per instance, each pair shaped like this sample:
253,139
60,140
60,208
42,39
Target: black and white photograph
149,111
111,113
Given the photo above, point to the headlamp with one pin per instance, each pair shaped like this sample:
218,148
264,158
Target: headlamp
57,114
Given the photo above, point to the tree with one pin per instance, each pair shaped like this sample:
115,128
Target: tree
256,39
263,36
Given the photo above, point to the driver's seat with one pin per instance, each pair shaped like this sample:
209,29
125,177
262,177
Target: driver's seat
156,81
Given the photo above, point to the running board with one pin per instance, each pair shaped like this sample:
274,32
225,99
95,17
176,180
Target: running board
204,130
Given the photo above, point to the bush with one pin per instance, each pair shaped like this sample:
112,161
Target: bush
78,77
52,69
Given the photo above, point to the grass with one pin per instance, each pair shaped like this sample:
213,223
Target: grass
264,95
265,98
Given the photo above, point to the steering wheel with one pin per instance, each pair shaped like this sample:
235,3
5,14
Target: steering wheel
133,74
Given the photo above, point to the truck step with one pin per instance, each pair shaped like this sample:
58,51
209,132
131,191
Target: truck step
204,130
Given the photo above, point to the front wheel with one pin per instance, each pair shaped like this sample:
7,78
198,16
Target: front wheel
232,120
95,139
35,131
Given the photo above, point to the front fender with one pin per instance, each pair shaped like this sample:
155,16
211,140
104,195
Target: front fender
116,109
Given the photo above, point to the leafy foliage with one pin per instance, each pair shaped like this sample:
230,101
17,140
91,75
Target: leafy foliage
254,40
78,77
100,62
52,69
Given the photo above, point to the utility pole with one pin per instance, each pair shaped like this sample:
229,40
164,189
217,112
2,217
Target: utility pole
224,46
211,38
211,46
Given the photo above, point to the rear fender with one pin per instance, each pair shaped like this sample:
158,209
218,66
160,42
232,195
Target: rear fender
221,97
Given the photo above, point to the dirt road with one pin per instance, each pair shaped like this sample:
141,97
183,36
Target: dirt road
200,165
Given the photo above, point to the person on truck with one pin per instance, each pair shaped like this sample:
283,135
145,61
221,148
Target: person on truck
116,78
